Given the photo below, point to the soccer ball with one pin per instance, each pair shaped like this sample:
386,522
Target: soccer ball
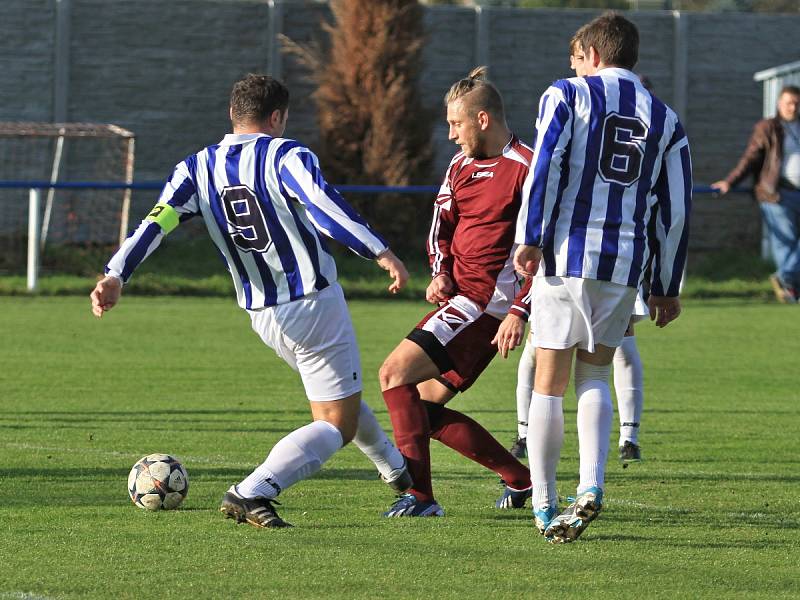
158,481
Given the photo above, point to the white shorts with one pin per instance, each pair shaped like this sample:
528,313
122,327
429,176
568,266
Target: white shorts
640,309
570,311
314,335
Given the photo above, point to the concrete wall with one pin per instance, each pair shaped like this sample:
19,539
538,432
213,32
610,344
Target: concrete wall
164,70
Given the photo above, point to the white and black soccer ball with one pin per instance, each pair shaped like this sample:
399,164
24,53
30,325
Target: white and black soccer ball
158,481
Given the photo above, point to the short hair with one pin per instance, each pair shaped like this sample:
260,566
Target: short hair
477,93
256,97
576,39
790,89
614,38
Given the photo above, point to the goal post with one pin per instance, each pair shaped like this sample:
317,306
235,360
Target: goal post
75,224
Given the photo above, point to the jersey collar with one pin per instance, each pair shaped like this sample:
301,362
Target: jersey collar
619,72
231,139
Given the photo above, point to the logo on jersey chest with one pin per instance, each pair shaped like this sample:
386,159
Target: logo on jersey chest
482,174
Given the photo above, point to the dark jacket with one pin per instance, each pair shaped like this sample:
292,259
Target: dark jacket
762,159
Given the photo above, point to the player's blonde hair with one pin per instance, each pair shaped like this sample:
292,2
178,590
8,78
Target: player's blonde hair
477,93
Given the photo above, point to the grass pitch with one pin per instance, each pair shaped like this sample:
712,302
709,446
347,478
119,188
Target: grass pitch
712,512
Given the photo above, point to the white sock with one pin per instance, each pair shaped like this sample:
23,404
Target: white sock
296,456
595,413
628,383
372,441
546,418
525,375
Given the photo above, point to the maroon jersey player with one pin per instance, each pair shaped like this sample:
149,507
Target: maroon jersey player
474,286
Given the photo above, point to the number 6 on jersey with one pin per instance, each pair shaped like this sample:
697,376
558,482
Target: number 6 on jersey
622,153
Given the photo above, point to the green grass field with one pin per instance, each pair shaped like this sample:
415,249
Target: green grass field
712,512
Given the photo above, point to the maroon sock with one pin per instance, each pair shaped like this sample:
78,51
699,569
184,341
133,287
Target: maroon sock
468,437
411,433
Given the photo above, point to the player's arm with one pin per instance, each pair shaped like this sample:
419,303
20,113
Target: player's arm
512,329
673,191
301,177
178,202
540,191
440,239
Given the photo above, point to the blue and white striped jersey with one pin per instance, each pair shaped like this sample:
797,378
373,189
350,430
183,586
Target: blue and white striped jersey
610,184
264,202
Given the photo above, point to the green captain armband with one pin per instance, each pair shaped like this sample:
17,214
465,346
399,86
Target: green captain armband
165,216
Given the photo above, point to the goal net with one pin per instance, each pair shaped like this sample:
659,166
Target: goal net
76,226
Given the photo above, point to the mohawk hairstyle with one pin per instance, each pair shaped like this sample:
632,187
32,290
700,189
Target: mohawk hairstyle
477,93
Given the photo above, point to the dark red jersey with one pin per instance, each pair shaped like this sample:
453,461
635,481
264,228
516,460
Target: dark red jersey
474,220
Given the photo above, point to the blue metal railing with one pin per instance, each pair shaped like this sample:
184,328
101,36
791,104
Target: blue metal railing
35,191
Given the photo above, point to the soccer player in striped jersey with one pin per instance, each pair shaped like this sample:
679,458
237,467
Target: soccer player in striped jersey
628,371
470,247
265,203
609,191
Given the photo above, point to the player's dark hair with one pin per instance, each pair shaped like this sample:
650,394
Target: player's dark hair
477,93
790,89
614,38
256,97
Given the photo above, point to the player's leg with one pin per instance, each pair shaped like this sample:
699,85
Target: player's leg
609,307
546,419
557,325
403,369
302,452
424,355
525,374
628,385
314,336
372,441
470,439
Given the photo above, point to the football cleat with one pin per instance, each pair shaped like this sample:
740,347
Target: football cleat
630,453
398,479
519,449
259,512
512,498
543,516
569,525
407,505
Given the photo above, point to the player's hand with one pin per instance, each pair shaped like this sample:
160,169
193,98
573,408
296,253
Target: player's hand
397,270
105,295
509,335
722,186
664,309
440,289
527,259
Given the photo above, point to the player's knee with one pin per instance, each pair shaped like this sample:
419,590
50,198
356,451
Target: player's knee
391,374
348,431
585,371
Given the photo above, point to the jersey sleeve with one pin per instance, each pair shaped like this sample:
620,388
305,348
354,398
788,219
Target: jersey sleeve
178,202
540,191
673,191
521,306
443,225
300,176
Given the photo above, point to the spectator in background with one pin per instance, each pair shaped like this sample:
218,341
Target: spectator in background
773,157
